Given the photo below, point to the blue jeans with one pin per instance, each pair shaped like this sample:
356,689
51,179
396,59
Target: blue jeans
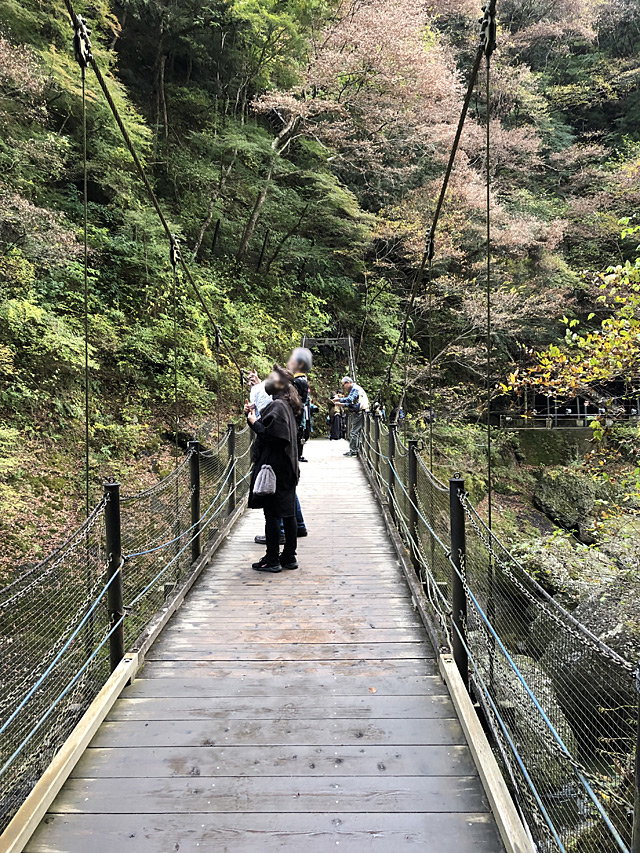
299,517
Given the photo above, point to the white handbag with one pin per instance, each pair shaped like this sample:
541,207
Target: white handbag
265,483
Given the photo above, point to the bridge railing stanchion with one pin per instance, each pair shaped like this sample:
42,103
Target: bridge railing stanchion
392,462
367,433
194,476
413,505
115,604
458,596
376,438
635,835
231,450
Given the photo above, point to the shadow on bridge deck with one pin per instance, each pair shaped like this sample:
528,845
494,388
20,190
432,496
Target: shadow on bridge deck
299,711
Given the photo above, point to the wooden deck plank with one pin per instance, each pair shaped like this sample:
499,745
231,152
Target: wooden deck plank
268,833
293,652
281,685
283,712
368,760
283,795
267,669
344,732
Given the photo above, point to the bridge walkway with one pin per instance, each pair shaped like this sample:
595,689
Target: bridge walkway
294,712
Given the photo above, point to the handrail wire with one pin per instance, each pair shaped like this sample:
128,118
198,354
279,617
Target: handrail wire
77,22
600,647
428,253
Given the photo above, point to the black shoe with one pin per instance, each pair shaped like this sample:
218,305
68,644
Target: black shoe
349,453
266,564
262,540
302,532
288,562
302,459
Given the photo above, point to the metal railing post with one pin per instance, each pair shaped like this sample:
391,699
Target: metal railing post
413,504
231,450
367,432
458,597
194,476
376,438
115,604
635,837
392,462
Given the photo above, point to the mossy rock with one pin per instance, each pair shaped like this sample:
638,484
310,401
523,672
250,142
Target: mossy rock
568,571
526,724
569,499
553,447
597,695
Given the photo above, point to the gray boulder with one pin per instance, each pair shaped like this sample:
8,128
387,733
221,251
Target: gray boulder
569,499
597,695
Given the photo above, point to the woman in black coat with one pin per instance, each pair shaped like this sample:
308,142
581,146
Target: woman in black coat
276,445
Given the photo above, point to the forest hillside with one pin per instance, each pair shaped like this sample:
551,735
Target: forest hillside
297,149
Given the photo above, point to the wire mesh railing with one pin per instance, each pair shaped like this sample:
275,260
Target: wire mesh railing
53,618
561,705
59,625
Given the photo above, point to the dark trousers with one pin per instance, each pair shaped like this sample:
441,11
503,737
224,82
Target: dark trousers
272,532
299,518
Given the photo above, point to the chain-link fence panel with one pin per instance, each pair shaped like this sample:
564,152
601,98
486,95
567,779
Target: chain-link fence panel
567,701
154,525
54,620
53,627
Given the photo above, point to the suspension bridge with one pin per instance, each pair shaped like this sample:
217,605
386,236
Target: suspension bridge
410,687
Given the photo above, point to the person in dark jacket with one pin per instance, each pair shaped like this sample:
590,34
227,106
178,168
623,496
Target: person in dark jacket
276,445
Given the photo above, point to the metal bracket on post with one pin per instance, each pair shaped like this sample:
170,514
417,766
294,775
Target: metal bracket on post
231,451
458,597
413,504
194,472
115,604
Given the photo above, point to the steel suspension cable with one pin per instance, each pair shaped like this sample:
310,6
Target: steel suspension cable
427,255
430,376
79,24
488,297
85,261
175,257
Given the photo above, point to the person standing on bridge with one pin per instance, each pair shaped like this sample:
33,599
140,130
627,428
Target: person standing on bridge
276,446
299,364
355,400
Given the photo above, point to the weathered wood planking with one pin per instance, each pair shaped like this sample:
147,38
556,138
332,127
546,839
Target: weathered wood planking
300,711
268,833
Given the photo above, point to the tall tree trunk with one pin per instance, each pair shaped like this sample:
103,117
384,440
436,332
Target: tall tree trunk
286,237
156,68
163,98
224,174
250,227
278,147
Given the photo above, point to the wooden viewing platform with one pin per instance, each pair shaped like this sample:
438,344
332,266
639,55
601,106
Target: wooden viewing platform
302,711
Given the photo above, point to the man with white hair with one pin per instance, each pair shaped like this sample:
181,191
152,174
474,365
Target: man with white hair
355,400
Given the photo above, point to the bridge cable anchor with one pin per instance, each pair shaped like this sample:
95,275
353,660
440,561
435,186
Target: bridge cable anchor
174,252
429,245
488,28
82,43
